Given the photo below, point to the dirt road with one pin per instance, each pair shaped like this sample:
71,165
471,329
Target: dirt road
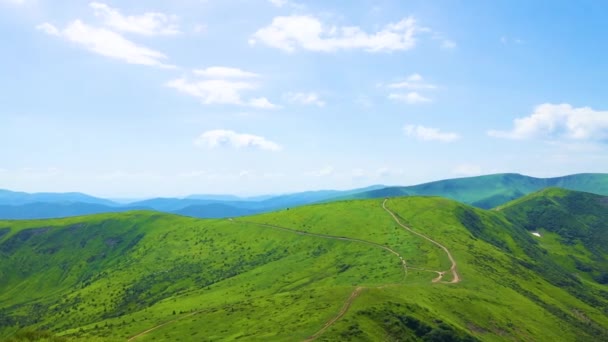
333,237
342,312
453,269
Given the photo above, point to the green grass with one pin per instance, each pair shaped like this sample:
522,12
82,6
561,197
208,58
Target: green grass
112,276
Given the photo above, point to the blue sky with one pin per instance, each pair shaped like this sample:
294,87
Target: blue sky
168,98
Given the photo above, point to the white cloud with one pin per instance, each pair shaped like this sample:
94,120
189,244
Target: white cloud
213,91
561,121
262,103
412,85
149,23
224,72
289,33
48,29
107,43
467,170
429,134
218,91
413,82
305,99
409,98
220,138
224,87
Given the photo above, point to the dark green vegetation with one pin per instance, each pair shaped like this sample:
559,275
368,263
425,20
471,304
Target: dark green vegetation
493,190
483,192
160,277
576,223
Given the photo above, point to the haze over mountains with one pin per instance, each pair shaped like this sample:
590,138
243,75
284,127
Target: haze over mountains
482,191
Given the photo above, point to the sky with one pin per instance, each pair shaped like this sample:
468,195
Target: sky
168,98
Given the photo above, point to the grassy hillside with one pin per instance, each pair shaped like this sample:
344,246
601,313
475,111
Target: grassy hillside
285,276
494,190
573,225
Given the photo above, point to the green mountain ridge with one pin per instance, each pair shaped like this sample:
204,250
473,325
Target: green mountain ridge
283,276
494,190
482,191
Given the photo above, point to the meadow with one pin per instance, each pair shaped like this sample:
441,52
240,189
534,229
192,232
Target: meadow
328,272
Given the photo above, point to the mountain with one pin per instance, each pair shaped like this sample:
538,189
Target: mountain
202,205
409,268
225,198
483,192
215,210
16,198
53,210
19,205
575,224
493,190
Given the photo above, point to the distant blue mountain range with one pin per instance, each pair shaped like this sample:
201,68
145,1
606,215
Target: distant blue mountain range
483,191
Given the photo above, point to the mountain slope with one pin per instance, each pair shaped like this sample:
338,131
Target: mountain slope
329,271
31,211
573,225
493,190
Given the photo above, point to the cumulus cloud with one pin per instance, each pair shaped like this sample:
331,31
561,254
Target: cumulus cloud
289,33
213,91
262,103
224,72
227,138
429,134
225,86
559,121
409,98
107,43
305,99
149,23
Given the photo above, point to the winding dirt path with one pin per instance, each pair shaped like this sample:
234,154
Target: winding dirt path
161,325
346,306
333,237
453,268
342,312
